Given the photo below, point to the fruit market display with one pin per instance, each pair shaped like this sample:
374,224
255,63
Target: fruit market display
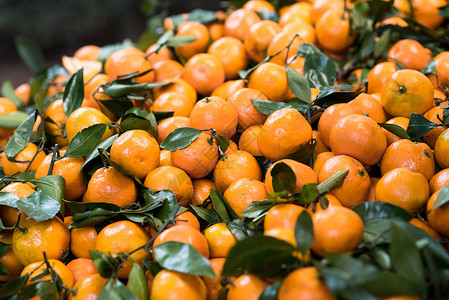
262,152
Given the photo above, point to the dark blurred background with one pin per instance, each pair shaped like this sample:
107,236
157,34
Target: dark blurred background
60,27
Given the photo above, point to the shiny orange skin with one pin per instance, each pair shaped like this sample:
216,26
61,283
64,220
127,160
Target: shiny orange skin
177,85
410,53
434,115
228,88
336,230
51,236
304,175
164,158
219,239
442,69
399,121
153,57
441,149
258,5
304,283
214,112
238,23
367,105
248,140
110,186
88,287
175,102
247,113
85,117
279,43
425,226
199,158
23,92
6,107
320,147
213,284
270,79
360,137
305,31
201,190
333,31
417,157
355,187
9,215
82,267
175,285
184,234
427,12
259,37
196,30
166,126
233,166
82,240
320,7
284,132
171,178
299,10
438,217
204,72
404,188
231,52
246,287
87,52
282,216
55,112
115,238
8,259
439,180
321,159
189,219
25,156
127,61
378,75
167,70
242,192
39,267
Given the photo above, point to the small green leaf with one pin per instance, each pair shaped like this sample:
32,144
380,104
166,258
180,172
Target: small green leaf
116,290
169,205
177,41
12,120
258,208
139,119
73,93
52,185
304,232
3,269
240,229
13,286
9,199
419,126
299,85
30,54
268,107
8,91
284,179
381,210
396,130
138,282
107,50
305,154
382,44
430,68
182,257
103,145
271,291
266,14
180,138
208,215
21,137
117,105
309,193
223,142
39,206
332,182
442,198
106,264
119,89
202,16
218,205
85,141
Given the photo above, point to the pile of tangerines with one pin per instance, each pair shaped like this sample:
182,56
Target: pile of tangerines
296,152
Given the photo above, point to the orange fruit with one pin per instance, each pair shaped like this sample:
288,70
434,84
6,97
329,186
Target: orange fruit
247,113
270,79
228,88
278,45
259,37
321,159
87,52
171,284
304,283
410,53
333,31
216,29
378,75
115,238
330,117
204,72
439,180
304,30
320,147
231,53
166,126
167,70
39,267
319,7
153,56
50,236
109,185
258,5
360,137
299,10
85,117
196,30
284,132
367,105
427,12
233,166
177,85
442,69
127,61
69,169
136,151
214,112
9,215
438,217
189,219
82,267
248,140
6,107
54,128
165,158
355,187
242,192
403,188
434,115
199,158
173,179
23,92
401,122
424,225
82,240
336,230
213,284
417,157
239,22
282,216
23,159
184,234
201,190
406,92
247,286
9,259
88,287
441,149
332,201
219,239
304,175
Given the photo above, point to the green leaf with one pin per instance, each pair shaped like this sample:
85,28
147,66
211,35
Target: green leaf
219,206
319,69
12,120
309,193
444,11
304,232
119,89
139,119
305,154
117,105
271,291
182,257
381,210
85,141
262,255
223,142
168,199
244,74
202,16
419,126
13,286
240,229
177,41
382,44
21,137
299,85
333,89
107,50
73,93
208,215
430,68
268,107
409,266
442,198
39,206
395,129
9,199
116,290
180,138
52,185
266,14
284,179
94,217
30,54
8,91
138,282
105,264
103,145
46,290
332,182
3,269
